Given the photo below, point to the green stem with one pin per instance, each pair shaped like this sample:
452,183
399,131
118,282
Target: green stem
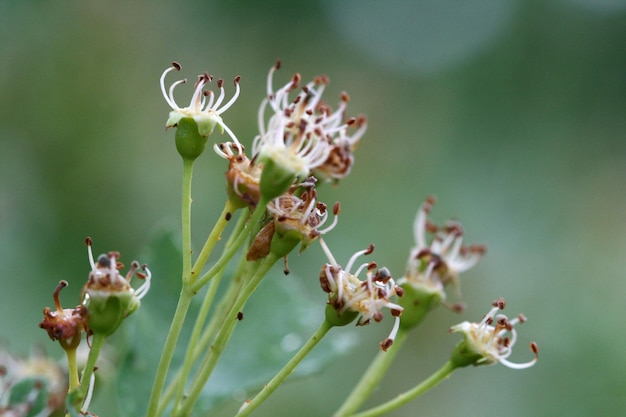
259,212
222,338
411,394
168,350
278,379
214,237
72,369
372,376
94,352
199,347
184,300
186,219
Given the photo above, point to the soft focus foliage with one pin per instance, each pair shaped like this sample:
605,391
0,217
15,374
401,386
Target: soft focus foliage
511,112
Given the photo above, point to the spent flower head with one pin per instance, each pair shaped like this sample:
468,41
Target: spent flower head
436,260
297,217
243,176
204,108
65,325
108,296
491,340
349,296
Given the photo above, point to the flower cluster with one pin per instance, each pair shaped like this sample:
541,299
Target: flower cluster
349,296
491,340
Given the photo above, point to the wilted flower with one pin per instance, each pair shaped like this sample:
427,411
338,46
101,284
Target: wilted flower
349,296
243,175
108,296
435,262
296,217
203,108
486,343
64,325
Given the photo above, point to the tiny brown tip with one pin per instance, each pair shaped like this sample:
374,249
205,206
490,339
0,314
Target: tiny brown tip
177,66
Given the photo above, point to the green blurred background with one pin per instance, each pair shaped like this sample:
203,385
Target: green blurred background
512,112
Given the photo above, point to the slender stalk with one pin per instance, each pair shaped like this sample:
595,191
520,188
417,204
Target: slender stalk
184,299
186,219
372,376
72,369
222,338
411,394
287,370
259,212
197,348
168,351
214,237
94,352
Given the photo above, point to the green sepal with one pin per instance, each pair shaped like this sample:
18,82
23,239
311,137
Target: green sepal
334,318
417,303
190,143
464,355
106,313
275,179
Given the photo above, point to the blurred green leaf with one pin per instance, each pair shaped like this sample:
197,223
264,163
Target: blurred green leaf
277,320
31,391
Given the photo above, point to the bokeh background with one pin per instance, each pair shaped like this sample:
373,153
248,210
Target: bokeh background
513,113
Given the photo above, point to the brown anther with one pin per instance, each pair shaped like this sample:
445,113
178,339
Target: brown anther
371,266
458,307
534,348
88,241
431,200
207,93
277,64
431,227
239,315
220,83
399,291
478,249
378,316
370,249
336,208
228,216
286,269
386,344
521,318
395,312
141,275
489,320
344,97
499,303
295,80
177,66
237,79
